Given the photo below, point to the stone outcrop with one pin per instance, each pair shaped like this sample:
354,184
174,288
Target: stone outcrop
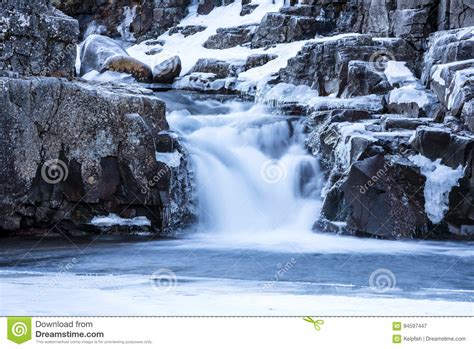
324,65
147,18
375,187
72,151
206,6
277,28
187,30
37,39
230,37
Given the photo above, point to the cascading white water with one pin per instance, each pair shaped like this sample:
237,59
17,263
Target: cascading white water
253,173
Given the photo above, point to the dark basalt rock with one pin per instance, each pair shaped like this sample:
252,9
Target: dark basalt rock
365,78
152,18
71,151
167,71
247,9
230,37
206,6
278,28
257,60
324,65
382,197
187,30
37,39
221,69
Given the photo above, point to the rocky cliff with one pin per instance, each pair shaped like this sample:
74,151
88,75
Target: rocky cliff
73,151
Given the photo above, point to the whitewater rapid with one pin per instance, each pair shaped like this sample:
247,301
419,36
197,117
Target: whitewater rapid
253,173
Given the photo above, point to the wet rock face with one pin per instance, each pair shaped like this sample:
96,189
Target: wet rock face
72,151
37,39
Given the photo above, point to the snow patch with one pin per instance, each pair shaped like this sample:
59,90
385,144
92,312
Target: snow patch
440,179
409,94
398,73
169,159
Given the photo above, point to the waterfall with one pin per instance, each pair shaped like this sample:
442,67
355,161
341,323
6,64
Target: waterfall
253,173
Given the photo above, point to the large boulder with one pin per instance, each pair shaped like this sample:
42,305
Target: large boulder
96,50
382,197
71,151
126,64
217,67
167,71
365,78
101,54
36,39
